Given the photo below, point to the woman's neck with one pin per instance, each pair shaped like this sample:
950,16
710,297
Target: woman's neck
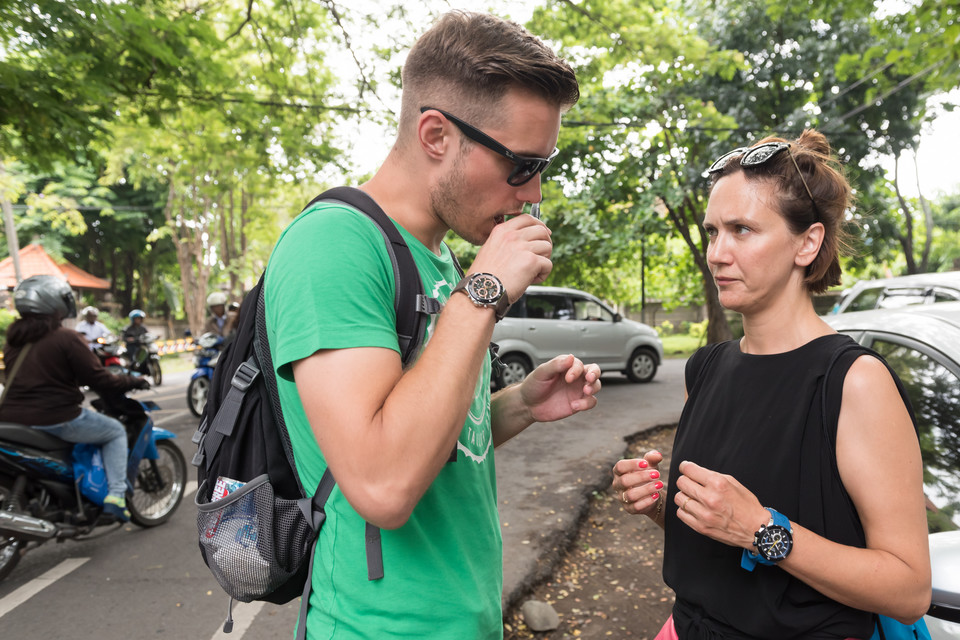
783,328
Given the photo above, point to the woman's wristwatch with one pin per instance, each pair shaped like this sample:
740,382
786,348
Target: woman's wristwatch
773,542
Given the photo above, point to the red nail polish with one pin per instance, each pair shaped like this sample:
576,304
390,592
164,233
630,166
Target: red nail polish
643,464
659,485
654,474
656,496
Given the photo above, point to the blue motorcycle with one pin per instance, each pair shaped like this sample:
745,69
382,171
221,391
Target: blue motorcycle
51,489
205,359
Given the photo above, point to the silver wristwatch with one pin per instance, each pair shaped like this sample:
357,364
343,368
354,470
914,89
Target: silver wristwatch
485,290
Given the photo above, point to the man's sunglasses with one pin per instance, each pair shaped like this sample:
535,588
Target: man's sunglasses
755,156
524,167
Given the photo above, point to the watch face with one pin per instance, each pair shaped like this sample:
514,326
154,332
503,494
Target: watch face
485,288
775,542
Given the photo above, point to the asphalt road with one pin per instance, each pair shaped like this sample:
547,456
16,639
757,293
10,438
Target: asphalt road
129,582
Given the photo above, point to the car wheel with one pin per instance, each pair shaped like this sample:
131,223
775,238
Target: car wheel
515,369
642,366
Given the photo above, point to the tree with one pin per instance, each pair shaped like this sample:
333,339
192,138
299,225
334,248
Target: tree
224,154
640,144
67,66
671,87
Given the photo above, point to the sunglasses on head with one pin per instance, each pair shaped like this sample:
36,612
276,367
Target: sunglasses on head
758,155
524,167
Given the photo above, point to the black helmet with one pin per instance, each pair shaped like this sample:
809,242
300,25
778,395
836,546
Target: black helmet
46,296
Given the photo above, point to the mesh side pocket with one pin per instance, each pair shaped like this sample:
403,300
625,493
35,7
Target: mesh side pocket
253,542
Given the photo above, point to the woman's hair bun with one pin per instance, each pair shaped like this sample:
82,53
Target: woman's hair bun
814,141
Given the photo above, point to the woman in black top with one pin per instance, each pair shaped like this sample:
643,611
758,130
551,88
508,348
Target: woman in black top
779,523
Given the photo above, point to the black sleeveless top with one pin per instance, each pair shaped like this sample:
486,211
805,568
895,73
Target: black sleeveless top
758,418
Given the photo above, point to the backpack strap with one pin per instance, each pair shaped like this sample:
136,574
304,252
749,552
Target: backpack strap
13,372
226,418
409,301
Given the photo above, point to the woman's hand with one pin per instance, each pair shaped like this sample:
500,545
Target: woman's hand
638,483
718,506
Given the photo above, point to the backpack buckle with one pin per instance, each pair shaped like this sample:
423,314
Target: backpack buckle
244,376
430,306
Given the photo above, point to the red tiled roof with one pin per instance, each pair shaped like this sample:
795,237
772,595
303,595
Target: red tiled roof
35,261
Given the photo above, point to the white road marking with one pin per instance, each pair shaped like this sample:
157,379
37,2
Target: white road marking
171,418
243,615
37,585
189,488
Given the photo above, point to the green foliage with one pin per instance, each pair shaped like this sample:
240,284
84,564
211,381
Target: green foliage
68,66
6,319
697,329
665,328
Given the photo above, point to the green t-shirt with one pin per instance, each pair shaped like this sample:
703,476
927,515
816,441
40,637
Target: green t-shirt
330,285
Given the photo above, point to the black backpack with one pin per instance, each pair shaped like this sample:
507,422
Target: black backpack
257,524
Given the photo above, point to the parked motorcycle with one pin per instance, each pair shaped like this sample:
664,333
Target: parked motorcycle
204,359
53,490
143,357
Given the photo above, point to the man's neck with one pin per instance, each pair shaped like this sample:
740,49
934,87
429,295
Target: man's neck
405,198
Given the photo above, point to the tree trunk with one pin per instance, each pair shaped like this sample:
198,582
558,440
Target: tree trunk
906,239
928,222
188,240
718,329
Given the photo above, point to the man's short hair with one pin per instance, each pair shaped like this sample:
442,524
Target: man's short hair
467,61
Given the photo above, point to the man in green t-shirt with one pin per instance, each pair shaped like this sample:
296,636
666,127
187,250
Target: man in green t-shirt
385,431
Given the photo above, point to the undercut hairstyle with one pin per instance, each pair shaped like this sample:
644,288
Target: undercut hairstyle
829,189
466,62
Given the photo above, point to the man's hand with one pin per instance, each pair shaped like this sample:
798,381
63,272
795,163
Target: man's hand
560,388
518,253
141,383
555,390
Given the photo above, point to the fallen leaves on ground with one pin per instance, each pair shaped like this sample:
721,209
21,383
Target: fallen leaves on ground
609,582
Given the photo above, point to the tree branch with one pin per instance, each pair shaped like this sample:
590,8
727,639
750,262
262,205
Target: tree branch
236,31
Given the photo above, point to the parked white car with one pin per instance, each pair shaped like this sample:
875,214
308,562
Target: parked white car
922,344
900,291
548,321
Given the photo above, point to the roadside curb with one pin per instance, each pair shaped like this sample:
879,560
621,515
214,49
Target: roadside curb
560,541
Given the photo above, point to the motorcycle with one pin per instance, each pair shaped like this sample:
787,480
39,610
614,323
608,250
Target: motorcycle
109,350
205,359
143,358
53,490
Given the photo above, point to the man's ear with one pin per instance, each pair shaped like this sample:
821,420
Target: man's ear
433,135
810,244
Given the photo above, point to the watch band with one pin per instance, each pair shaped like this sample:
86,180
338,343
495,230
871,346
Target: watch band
748,559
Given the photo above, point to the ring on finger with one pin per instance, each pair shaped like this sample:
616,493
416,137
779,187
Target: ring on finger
683,507
623,496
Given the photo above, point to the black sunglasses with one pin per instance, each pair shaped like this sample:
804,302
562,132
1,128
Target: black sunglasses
524,167
755,156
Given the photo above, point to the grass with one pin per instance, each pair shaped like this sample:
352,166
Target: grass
177,362
679,345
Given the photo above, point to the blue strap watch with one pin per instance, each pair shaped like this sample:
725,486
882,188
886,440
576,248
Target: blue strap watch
773,541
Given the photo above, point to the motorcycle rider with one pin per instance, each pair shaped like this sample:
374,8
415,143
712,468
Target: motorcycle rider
52,362
218,322
91,328
134,331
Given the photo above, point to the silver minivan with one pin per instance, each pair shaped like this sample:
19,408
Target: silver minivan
548,321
